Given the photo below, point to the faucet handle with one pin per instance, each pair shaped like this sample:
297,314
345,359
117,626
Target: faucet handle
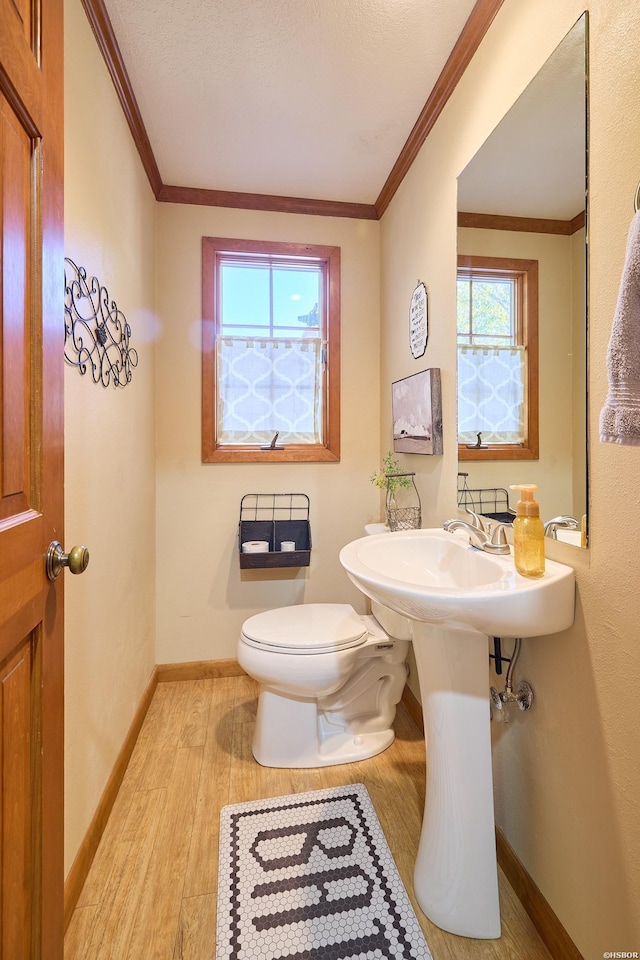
551,526
477,521
498,543
499,535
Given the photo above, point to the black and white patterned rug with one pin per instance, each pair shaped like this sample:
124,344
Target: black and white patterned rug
310,877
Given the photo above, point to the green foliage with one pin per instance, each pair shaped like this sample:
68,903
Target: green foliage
389,466
311,319
491,304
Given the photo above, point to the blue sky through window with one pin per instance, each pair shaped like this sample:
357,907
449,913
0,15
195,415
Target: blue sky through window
246,292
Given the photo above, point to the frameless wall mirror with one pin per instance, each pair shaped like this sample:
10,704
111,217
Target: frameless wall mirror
522,303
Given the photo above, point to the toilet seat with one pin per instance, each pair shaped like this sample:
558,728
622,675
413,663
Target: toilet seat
309,628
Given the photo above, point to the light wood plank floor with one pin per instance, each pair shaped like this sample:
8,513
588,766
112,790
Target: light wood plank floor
151,891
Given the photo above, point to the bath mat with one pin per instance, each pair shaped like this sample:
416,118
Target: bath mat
310,877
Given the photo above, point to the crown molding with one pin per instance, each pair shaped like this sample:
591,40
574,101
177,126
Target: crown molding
473,31
490,221
578,222
480,19
108,45
263,201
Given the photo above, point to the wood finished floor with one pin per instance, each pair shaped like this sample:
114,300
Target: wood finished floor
151,891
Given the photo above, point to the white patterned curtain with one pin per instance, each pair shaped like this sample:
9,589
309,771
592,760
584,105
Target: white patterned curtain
268,385
491,382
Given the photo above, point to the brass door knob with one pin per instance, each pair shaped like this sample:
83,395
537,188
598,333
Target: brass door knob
77,560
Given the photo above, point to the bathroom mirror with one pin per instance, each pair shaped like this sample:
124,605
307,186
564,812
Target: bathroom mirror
522,304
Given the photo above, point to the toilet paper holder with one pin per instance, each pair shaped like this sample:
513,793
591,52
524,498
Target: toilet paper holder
278,518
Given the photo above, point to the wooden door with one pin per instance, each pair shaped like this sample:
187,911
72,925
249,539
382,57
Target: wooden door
31,479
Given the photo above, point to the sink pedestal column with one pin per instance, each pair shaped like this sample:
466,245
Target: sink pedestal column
456,874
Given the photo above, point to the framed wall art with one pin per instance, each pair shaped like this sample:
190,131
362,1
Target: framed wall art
417,413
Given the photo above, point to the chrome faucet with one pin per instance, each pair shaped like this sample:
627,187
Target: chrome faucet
496,542
551,526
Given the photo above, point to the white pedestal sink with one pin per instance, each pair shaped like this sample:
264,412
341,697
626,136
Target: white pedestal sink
458,596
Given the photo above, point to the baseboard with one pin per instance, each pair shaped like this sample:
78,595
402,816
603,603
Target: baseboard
552,933
164,672
199,670
84,858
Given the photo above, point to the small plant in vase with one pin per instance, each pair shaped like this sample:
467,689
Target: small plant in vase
381,478
392,479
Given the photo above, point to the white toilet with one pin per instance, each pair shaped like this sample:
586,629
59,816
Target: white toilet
329,679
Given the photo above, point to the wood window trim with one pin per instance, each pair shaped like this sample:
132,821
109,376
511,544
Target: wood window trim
528,269
329,451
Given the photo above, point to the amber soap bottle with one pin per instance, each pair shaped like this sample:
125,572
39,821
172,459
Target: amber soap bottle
528,533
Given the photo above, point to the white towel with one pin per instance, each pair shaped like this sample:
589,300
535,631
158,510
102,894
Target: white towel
620,416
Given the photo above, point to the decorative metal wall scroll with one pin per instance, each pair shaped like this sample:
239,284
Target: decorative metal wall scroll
96,332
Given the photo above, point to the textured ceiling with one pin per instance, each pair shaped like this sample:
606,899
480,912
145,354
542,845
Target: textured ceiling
298,98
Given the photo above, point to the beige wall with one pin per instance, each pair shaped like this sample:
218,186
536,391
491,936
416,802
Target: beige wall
567,776
202,596
553,471
109,437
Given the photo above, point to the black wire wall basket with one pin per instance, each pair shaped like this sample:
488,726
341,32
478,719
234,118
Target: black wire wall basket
274,530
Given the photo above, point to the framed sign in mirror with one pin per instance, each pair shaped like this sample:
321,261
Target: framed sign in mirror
417,413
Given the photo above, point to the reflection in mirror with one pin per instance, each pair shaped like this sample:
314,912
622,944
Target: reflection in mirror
522,305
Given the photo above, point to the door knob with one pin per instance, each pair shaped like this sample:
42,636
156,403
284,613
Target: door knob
77,560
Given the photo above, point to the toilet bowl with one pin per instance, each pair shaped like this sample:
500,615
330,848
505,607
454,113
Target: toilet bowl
329,680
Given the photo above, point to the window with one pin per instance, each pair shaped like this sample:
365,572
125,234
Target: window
270,351
497,358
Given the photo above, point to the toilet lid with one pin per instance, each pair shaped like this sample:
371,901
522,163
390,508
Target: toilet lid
307,628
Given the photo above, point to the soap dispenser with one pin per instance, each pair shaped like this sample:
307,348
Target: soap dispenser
528,533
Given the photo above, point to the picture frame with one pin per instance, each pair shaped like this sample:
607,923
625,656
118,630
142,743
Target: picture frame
417,413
